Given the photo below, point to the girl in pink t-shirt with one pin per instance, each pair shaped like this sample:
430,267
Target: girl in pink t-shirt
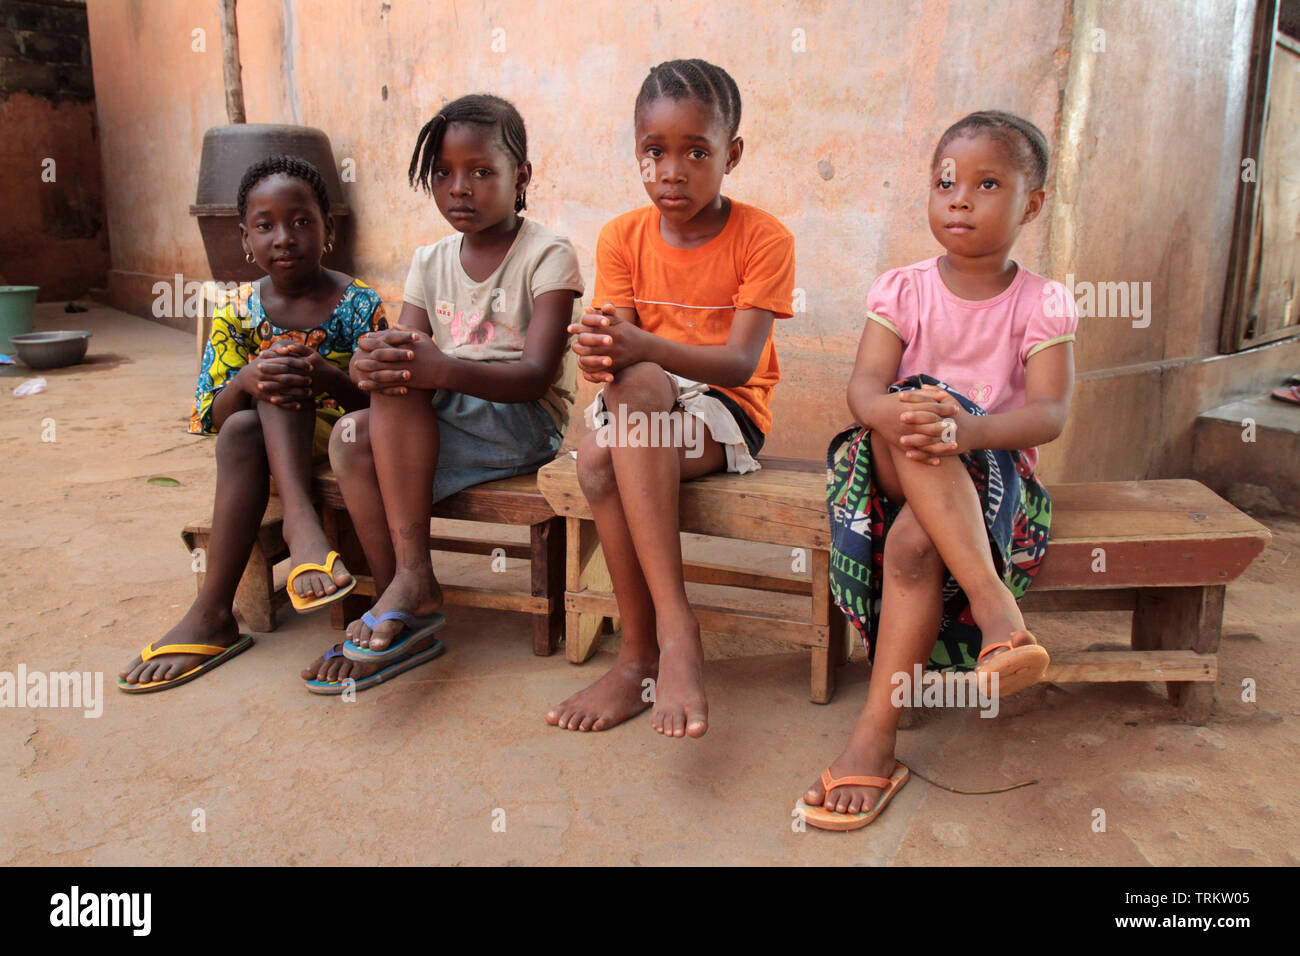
938,523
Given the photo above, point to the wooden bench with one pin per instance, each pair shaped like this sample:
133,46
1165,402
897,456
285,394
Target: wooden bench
512,501
1169,549
783,504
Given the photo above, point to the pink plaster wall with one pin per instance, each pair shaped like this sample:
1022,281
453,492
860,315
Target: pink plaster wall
865,102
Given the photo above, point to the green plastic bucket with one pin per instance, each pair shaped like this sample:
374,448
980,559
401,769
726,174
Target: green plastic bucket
17,309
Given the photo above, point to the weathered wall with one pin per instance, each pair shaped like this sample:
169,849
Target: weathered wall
52,231
842,105
1155,121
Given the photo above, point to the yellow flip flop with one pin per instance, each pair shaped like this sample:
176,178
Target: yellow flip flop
824,819
217,655
301,603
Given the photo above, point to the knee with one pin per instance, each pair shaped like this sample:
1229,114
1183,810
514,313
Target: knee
595,468
910,555
350,440
643,386
241,436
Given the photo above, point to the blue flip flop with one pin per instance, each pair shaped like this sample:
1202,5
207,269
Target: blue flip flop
335,687
416,628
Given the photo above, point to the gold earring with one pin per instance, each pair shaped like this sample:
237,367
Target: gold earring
329,247
248,257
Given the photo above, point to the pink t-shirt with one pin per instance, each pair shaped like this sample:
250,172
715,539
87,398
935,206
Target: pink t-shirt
978,346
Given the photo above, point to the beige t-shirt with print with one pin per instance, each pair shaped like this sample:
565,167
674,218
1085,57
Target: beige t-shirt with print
488,321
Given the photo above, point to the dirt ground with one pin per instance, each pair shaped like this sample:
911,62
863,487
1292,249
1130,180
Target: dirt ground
453,764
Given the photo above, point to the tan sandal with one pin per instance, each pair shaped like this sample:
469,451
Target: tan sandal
824,819
1018,668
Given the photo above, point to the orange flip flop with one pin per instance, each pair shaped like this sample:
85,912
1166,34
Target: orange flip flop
1290,394
824,819
1018,668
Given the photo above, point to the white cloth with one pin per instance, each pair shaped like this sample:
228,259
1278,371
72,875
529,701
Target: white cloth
710,412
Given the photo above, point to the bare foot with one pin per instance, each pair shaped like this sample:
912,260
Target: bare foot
412,592
197,627
616,697
680,706
317,584
872,761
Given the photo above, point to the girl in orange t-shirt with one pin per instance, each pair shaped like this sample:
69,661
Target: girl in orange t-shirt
682,344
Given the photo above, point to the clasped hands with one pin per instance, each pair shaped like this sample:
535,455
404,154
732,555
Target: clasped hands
931,424
395,359
285,373
605,344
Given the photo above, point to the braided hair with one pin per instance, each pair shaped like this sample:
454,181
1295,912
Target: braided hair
483,109
288,166
1023,141
697,80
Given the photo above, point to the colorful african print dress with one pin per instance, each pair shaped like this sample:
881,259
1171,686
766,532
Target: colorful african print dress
241,329
1017,513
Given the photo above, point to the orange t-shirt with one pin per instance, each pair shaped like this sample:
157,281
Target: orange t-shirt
691,295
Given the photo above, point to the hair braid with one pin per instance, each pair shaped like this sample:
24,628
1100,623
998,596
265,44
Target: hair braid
697,80
482,109
293,166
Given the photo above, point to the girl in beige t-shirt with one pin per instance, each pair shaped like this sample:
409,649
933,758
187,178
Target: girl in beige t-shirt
471,385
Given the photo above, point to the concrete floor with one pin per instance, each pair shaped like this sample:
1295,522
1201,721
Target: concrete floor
420,769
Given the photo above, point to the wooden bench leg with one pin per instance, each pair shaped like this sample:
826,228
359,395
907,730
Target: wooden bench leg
255,593
825,659
194,540
1188,619
546,544
841,635
255,596
584,568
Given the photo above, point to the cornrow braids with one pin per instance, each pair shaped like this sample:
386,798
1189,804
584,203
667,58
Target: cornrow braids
1024,141
483,109
697,80
289,166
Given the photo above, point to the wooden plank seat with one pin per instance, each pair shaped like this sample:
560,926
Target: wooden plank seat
1168,549
512,501
1165,549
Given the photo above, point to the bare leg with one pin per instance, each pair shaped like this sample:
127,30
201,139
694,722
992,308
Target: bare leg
354,464
288,435
241,497
621,693
911,607
403,432
947,506
911,601
634,497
